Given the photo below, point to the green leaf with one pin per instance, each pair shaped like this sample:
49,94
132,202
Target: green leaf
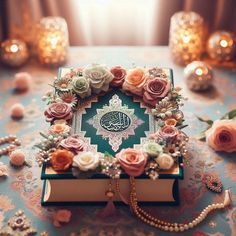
38,146
232,114
107,154
209,122
201,136
182,126
43,135
229,115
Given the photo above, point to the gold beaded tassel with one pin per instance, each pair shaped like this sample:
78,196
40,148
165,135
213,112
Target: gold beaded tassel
167,226
110,208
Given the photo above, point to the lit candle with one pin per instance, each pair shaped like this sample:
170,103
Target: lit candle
52,41
186,40
14,52
198,76
221,46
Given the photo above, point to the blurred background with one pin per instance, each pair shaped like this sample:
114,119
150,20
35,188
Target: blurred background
111,22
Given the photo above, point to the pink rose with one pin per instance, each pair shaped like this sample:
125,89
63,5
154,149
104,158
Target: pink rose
132,161
119,74
59,110
168,132
73,144
155,89
61,216
222,135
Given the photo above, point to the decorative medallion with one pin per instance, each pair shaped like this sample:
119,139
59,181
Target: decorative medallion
115,122
18,225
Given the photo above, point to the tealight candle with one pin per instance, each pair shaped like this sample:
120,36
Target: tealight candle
221,46
14,52
186,40
52,41
198,76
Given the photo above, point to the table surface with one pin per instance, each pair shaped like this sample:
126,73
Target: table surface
22,189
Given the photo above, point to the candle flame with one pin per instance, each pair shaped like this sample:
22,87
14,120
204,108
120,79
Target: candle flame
186,38
223,43
54,41
199,71
14,48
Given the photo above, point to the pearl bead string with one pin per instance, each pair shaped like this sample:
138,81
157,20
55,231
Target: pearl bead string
12,139
168,226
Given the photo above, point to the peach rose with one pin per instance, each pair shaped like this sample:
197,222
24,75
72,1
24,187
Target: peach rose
59,129
222,135
134,81
61,159
132,161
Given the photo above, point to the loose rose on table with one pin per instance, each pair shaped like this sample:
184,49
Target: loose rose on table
74,144
132,161
58,110
134,81
222,135
86,161
155,89
61,159
119,74
99,77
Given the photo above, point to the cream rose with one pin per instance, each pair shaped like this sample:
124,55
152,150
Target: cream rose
222,135
165,161
99,77
86,161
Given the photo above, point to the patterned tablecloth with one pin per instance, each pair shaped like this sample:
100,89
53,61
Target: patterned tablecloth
22,189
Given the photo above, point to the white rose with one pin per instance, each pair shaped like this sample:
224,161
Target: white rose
165,161
86,161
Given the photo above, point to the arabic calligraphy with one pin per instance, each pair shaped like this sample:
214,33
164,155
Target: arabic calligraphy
115,121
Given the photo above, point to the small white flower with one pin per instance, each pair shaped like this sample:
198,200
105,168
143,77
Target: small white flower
86,161
165,161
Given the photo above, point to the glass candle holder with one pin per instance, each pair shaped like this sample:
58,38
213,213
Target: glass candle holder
186,38
198,75
221,46
14,52
52,41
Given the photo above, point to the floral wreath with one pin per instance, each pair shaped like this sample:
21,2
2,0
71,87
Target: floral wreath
61,150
